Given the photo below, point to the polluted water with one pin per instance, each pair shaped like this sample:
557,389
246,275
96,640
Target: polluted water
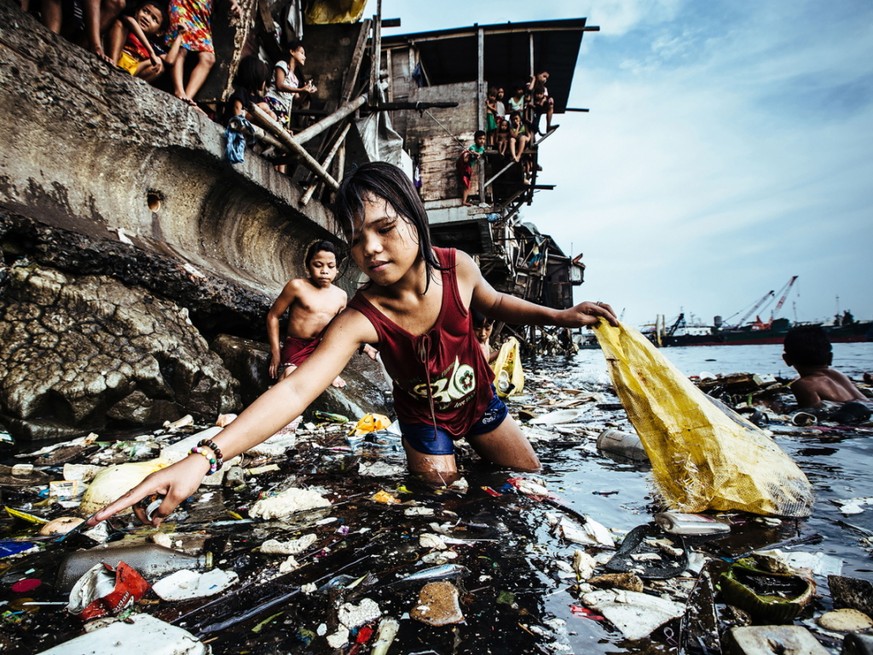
487,564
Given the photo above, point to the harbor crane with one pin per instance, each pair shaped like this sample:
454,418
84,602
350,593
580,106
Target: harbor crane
784,291
760,303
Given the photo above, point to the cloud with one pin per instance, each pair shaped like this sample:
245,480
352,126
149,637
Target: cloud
727,149
720,157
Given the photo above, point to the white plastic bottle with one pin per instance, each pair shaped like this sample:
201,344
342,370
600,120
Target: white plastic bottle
679,523
151,560
622,445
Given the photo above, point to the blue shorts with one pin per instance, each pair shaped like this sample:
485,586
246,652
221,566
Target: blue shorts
434,440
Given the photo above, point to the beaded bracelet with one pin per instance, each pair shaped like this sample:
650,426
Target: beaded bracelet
216,462
213,463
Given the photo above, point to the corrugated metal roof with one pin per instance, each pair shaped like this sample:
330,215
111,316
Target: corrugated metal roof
450,56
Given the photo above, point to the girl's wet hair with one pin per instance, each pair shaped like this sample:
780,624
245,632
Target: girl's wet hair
319,246
385,181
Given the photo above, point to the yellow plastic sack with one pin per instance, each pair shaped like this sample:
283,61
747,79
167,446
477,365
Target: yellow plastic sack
326,12
508,374
703,456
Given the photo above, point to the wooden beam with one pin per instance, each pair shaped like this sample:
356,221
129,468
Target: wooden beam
480,108
319,127
355,65
499,173
295,148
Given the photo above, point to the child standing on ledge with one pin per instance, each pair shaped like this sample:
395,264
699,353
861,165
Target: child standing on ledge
416,309
465,164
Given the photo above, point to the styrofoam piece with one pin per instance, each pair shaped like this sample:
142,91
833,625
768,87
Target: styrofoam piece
142,634
559,416
187,584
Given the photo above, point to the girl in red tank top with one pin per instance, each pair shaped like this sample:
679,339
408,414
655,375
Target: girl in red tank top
416,308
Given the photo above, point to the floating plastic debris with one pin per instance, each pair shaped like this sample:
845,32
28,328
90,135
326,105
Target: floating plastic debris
106,590
385,636
636,615
114,481
559,416
766,588
385,498
129,636
591,533
288,502
187,584
435,573
681,523
292,547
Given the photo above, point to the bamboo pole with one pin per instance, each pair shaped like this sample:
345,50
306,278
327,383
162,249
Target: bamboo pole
499,173
326,163
329,121
258,133
308,160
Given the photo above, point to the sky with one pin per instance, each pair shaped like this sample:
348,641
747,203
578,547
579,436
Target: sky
729,146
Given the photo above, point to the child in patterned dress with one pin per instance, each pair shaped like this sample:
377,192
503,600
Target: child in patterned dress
196,16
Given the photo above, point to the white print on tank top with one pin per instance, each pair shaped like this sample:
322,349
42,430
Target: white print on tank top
453,386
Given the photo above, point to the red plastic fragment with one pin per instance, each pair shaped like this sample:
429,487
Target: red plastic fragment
25,585
578,610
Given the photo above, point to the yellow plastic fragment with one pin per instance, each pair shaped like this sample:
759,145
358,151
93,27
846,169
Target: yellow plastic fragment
385,498
508,374
24,516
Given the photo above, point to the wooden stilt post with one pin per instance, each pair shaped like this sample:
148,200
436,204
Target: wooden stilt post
326,163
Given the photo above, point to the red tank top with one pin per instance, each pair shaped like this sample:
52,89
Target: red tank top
440,377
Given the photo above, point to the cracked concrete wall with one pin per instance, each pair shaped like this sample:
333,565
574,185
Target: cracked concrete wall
86,146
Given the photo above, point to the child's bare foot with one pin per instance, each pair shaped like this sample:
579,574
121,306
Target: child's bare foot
97,49
338,382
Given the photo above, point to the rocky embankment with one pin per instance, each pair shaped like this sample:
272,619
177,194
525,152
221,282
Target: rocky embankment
133,253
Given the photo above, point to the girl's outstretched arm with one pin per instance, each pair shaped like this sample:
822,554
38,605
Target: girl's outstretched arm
503,307
267,415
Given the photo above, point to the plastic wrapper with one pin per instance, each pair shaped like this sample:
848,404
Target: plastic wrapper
704,456
508,374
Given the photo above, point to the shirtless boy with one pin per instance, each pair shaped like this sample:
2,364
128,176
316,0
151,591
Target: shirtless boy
312,301
808,350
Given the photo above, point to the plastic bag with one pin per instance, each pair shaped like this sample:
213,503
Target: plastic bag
370,423
508,374
703,456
